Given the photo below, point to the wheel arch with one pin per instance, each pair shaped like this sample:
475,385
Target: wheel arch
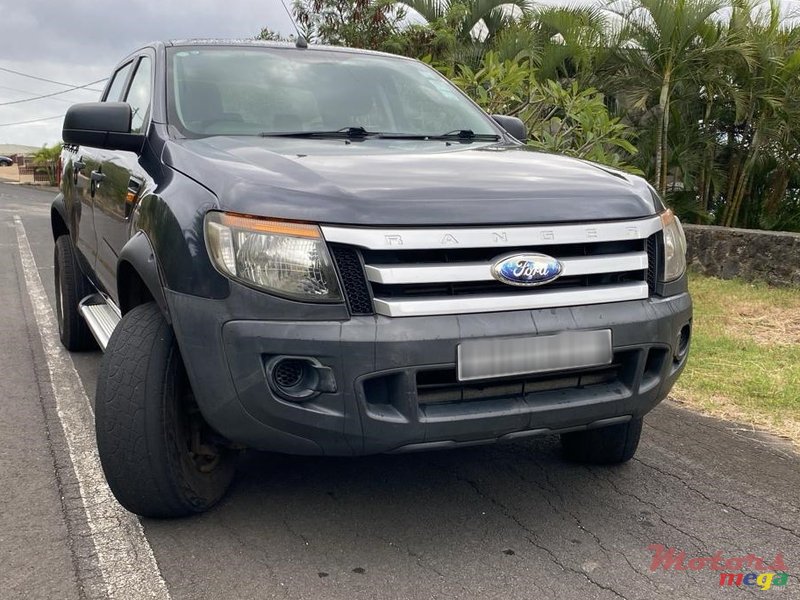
138,276
58,217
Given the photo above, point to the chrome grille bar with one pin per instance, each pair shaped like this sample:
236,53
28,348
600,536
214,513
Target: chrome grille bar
403,238
482,271
413,307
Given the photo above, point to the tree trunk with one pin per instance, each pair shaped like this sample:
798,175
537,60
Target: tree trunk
704,183
661,141
733,175
744,179
709,181
779,183
733,217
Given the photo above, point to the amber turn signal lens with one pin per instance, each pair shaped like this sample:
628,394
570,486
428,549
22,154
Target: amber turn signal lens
258,225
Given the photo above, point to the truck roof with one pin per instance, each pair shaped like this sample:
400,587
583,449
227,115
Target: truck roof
272,44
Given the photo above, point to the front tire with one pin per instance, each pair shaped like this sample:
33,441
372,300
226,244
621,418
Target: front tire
71,287
159,456
609,445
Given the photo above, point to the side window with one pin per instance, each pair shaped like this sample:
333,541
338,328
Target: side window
117,87
139,95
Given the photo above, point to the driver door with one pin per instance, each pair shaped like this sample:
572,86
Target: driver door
80,189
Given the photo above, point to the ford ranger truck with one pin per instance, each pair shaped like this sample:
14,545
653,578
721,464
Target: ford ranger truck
326,251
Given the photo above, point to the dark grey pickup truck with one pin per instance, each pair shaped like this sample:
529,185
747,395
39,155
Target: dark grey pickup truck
327,251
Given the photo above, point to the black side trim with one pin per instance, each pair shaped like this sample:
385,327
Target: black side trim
654,245
351,271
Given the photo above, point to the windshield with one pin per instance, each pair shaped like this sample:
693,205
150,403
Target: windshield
258,91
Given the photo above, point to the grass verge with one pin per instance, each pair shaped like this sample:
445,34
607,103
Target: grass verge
745,357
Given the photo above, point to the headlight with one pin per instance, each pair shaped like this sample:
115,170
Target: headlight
674,246
286,258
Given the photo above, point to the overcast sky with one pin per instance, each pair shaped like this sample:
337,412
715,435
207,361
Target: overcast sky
80,41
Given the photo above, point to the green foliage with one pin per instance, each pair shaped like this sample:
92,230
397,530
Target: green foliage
563,119
435,40
576,122
498,86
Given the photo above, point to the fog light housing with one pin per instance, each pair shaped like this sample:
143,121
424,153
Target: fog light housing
682,341
289,373
299,378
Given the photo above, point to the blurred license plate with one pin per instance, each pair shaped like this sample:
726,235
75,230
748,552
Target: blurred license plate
501,357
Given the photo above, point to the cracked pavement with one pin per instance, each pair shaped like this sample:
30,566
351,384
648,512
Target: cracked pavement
512,521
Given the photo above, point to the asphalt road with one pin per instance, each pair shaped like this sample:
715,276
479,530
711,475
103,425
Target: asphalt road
488,522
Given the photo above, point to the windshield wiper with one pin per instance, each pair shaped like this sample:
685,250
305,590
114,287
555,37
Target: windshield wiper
466,135
344,132
358,132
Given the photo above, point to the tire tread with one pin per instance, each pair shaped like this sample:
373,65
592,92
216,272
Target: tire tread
613,444
74,333
134,423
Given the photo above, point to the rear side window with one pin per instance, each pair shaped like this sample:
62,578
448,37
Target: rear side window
117,87
139,95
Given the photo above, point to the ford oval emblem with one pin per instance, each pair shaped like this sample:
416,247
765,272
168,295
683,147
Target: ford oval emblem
527,269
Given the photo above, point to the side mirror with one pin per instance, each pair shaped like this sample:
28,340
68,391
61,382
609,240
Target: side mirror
512,125
101,125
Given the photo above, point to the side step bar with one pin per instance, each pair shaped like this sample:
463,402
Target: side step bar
101,316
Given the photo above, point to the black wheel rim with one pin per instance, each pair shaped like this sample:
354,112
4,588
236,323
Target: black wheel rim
199,450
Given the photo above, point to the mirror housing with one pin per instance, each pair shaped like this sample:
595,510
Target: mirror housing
512,125
101,125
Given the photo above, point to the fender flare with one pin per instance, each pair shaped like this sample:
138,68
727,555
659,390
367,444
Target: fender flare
138,255
58,210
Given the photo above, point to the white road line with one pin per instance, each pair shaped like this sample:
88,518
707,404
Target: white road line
125,557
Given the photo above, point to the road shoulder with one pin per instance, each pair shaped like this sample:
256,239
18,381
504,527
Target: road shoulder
39,556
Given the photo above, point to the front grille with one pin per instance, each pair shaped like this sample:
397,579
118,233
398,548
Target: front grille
414,272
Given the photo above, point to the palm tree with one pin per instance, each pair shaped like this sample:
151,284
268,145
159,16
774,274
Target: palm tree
492,15
47,159
665,45
575,40
766,126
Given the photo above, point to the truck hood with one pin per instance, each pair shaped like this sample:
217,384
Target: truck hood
405,182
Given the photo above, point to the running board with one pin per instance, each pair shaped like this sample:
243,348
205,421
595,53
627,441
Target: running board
101,316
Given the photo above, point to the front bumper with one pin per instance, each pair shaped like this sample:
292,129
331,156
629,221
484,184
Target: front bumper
380,404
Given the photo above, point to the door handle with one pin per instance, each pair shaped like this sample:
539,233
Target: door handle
77,166
94,184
